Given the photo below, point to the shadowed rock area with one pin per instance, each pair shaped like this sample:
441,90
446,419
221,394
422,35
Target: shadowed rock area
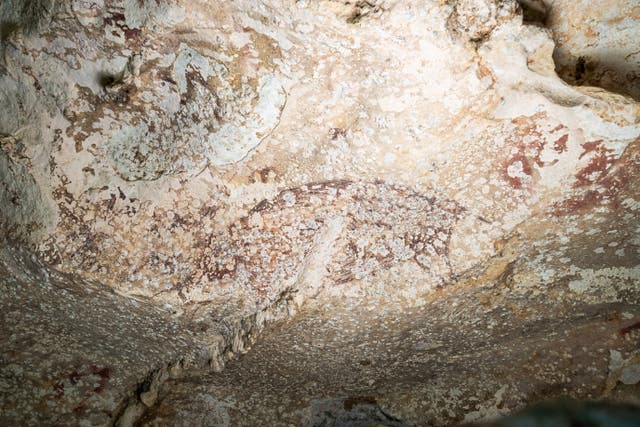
317,212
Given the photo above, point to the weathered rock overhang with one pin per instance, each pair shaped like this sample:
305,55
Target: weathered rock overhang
296,213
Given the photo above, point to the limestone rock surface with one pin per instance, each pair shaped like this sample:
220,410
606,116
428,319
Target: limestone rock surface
307,212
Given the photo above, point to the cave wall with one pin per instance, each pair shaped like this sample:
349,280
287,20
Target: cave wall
316,164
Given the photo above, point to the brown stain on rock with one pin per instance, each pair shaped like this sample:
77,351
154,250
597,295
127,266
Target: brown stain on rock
615,177
601,159
526,144
560,144
384,225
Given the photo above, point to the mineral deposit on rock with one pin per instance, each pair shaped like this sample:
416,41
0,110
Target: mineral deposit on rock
316,212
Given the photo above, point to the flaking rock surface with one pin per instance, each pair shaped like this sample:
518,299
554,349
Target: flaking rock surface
431,206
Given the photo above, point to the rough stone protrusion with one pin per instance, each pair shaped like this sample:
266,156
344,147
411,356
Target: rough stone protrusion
476,19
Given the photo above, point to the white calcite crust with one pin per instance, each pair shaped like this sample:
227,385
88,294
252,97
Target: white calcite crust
408,183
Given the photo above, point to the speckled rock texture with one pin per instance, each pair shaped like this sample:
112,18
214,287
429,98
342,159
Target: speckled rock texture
316,212
74,350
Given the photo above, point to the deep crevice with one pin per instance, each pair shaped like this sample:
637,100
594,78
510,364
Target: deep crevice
601,67
612,74
534,12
